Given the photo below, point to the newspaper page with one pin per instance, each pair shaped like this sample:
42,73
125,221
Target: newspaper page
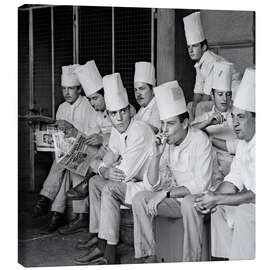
79,157
44,141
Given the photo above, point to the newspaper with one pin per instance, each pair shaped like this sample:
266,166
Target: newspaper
44,141
71,153
74,153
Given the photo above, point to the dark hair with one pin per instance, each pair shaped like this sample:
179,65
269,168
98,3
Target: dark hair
183,116
101,92
204,42
253,114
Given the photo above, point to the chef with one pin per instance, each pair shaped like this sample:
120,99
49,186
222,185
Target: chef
218,122
91,81
121,175
233,203
75,114
204,61
187,154
144,81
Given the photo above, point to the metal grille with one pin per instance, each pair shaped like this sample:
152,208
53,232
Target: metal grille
42,59
23,98
23,64
132,43
63,45
95,37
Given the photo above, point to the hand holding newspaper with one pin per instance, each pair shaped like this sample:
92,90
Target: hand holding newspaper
74,153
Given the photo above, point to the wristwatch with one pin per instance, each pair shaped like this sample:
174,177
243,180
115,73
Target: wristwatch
168,194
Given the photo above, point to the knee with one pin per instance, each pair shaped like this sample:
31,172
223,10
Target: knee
139,200
217,215
244,214
107,189
93,183
187,203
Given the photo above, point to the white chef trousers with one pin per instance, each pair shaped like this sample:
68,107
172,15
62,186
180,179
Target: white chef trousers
144,240
233,232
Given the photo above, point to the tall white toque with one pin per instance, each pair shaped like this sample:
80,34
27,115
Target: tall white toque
68,77
89,77
245,96
193,28
144,72
222,76
115,94
170,99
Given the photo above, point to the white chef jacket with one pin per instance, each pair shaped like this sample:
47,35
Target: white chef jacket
203,82
80,114
222,159
242,172
190,162
149,114
135,146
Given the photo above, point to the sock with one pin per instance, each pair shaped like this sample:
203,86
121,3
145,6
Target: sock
110,253
93,235
102,244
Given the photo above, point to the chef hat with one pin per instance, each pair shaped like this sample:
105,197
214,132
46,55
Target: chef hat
89,77
114,92
193,28
68,77
170,100
144,72
245,96
222,76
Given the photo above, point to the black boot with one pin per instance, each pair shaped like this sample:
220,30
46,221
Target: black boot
41,207
79,224
80,191
88,243
56,221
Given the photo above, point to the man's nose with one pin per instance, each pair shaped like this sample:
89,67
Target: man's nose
119,116
235,122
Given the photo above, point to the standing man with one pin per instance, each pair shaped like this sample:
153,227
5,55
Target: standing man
233,222
75,114
205,59
218,122
122,173
187,154
144,81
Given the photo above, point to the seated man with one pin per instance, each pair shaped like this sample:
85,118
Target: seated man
121,173
233,203
91,81
144,80
187,154
205,59
74,114
218,122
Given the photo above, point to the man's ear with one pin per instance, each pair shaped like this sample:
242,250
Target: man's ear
212,94
185,123
204,47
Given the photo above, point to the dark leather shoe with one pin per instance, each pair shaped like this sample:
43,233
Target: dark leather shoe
56,221
79,192
79,224
84,240
88,245
89,256
41,207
